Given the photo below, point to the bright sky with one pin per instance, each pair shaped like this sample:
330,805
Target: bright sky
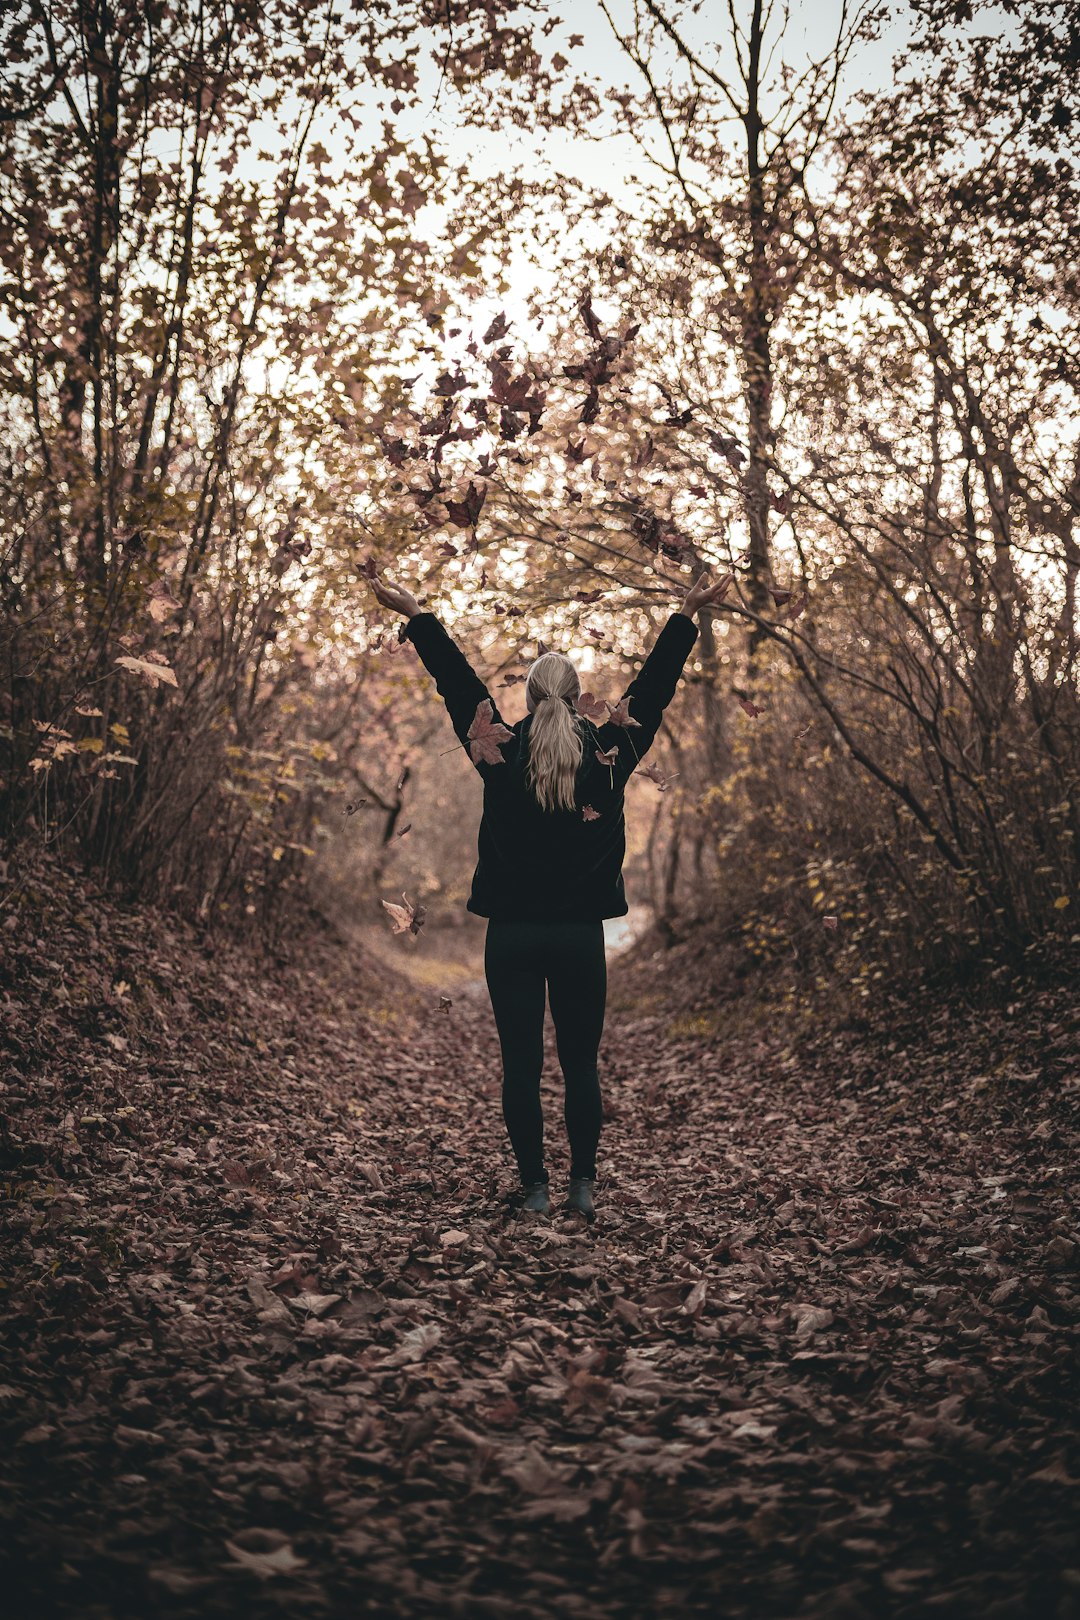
610,160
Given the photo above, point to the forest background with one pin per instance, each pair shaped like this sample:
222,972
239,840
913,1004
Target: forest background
543,315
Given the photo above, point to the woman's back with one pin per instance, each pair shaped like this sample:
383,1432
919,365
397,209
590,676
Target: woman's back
562,863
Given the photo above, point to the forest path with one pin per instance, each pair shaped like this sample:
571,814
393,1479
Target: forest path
276,1346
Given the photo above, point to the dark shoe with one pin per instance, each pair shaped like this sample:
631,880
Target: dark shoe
536,1197
580,1195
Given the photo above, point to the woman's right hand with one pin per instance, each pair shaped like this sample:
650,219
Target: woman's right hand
396,597
702,594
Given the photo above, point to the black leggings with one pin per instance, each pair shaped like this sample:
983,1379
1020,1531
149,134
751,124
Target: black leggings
569,957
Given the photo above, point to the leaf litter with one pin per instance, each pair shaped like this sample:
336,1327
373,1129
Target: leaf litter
276,1343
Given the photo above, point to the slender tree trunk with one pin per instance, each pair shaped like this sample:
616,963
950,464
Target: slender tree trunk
757,346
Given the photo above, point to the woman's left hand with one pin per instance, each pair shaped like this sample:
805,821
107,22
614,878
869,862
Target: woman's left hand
396,597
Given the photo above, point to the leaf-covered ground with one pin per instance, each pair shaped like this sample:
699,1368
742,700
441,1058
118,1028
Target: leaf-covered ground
276,1344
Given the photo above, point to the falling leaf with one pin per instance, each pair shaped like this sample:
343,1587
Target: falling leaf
590,707
161,603
406,918
155,673
609,756
592,325
498,329
589,814
830,922
655,774
486,735
466,514
620,715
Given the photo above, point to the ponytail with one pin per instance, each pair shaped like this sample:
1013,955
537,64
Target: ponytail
556,745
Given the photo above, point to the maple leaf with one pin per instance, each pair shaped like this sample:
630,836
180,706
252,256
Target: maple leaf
161,603
779,596
445,1003
620,714
655,774
729,448
750,707
486,734
498,329
155,673
396,451
831,922
589,814
465,514
407,918
589,707
609,757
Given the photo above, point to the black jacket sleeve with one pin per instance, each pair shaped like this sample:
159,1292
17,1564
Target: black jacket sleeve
458,685
649,694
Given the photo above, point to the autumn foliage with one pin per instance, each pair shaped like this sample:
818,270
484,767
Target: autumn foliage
262,338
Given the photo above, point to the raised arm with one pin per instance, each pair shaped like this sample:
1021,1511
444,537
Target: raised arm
654,685
458,684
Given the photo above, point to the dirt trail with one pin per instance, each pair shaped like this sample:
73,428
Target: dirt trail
274,1345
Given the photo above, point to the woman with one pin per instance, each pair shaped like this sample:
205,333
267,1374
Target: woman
550,846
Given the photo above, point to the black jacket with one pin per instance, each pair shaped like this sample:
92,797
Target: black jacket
553,865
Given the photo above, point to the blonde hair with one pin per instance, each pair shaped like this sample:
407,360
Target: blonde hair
555,735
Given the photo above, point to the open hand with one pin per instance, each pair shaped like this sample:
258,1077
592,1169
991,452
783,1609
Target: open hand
702,594
396,597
